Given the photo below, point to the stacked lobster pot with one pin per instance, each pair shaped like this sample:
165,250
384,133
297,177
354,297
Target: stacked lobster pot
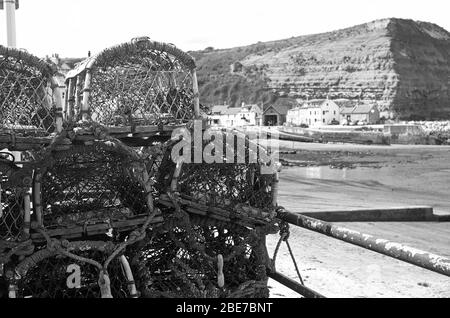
111,197
30,117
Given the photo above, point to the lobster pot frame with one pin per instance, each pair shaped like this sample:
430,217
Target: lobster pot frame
30,100
241,178
215,220
15,211
14,214
89,186
30,113
73,273
141,87
201,257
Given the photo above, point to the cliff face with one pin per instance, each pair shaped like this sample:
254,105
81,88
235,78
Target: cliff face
402,65
421,53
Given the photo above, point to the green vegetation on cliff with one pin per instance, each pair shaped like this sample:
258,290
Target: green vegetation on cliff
402,65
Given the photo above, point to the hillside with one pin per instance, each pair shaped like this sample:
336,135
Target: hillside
403,65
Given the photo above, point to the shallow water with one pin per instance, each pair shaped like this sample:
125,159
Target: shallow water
325,172
325,188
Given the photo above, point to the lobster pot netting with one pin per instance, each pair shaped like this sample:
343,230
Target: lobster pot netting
27,100
15,185
182,260
141,83
226,185
92,183
11,214
211,211
59,276
235,181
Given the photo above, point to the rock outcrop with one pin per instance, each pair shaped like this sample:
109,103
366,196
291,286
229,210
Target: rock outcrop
402,65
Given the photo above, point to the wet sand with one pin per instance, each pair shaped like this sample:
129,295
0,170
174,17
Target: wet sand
340,176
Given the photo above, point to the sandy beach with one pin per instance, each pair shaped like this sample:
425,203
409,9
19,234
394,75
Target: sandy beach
326,177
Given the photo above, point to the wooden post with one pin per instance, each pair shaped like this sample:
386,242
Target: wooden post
12,288
176,174
275,189
105,284
196,94
1,206
27,214
37,205
70,98
59,104
86,93
78,89
131,284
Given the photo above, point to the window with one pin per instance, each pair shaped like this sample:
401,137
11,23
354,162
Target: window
315,120
323,120
334,112
215,121
323,113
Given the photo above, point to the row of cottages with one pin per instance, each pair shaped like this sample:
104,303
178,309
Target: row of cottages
246,115
320,112
315,112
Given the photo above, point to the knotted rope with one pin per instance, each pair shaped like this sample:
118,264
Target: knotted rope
284,237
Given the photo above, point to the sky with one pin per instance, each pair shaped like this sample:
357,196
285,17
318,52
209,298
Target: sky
71,28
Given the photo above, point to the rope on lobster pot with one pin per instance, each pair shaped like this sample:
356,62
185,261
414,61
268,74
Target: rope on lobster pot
135,236
59,247
21,249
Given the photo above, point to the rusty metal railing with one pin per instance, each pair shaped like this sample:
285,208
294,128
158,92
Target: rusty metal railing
432,262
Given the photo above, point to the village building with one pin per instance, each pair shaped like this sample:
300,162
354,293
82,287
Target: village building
361,113
315,112
275,113
246,115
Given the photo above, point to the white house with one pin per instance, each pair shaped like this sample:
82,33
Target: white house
315,112
367,113
246,115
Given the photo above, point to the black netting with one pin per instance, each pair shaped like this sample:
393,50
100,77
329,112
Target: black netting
139,84
26,95
235,180
49,278
11,200
182,261
11,214
155,158
88,183
226,185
